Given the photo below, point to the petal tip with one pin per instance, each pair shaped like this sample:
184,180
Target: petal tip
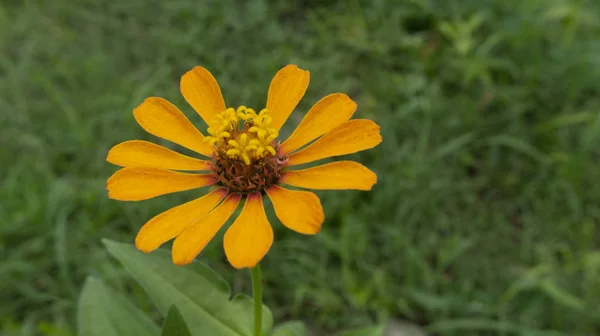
138,111
144,249
295,67
148,101
114,195
240,266
111,156
196,70
110,182
371,181
375,134
192,70
314,229
142,244
239,263
179,261
343,96
108,186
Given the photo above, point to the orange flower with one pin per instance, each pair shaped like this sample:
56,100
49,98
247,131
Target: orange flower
243,160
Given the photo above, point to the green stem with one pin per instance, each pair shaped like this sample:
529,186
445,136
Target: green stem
257,295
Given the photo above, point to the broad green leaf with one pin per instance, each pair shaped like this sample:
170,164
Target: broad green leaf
201,296
291,328
367,331
104,312
174,324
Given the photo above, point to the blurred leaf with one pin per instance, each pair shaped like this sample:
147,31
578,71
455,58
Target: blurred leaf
174,324
592,260
453,145
367,331
103,312
447,29
291,328
560,295
527,281
519,145
474,325
429,301
564,121
199,294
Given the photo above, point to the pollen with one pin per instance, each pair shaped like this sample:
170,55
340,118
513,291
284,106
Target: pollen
242,134
245,156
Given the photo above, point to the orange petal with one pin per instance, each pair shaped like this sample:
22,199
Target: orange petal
141,183
350,137
249,238
193,239
324,116
161,118
300,211
286,89
138,153
334,175
201,90
172,222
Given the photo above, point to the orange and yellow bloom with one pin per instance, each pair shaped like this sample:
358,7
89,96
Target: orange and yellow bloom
243,160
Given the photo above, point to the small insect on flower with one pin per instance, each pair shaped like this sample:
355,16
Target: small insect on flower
243,161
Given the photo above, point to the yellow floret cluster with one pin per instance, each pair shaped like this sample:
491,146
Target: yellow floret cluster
243,134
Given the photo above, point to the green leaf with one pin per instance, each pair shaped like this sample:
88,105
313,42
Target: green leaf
201,296
291,328
561,296
519,145
565,120
367,331
453,146
104,312
174,324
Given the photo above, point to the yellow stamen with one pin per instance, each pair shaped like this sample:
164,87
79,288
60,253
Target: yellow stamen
253,141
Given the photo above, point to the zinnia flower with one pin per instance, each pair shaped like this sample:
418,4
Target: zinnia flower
243,160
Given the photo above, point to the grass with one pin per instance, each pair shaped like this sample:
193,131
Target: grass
485,218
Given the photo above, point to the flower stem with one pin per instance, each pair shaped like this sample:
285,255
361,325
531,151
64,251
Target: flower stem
257,295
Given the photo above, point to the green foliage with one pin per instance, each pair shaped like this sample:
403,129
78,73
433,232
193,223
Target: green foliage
174,324
103,312
368,331
193,293
200,295
292,328
195,290
485,217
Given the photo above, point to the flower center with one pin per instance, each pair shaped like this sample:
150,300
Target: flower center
245,157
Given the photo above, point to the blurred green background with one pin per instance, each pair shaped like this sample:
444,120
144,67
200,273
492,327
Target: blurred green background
485,218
